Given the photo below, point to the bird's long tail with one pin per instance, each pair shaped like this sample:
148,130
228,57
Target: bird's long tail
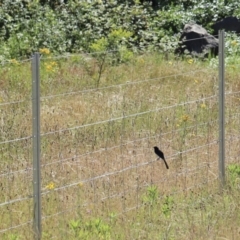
166,164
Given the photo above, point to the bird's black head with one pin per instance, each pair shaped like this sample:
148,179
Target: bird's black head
155,147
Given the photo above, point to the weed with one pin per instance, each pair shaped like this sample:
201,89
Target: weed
167,206
152,195
234,175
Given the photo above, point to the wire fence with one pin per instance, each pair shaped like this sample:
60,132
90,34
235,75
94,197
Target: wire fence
98,130
15,152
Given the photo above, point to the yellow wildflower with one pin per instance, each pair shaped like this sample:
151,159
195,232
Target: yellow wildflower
185,118
190,61
45,51
50,186
203,105
14,61
80,184
50,66
141,60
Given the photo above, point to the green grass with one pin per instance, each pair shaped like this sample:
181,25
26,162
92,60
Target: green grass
150,101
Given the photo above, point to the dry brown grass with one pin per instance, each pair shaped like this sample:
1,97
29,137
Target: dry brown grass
102,168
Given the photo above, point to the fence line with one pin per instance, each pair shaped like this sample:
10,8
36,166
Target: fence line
103,88
173,193
15,102
126,116
232,93
124,144
14,227
120,85
203,165
113,172
138,205
15,200
129,168
14,172
78,54
134,187
68,55
16,140
119,118
193,39
15,62
36,146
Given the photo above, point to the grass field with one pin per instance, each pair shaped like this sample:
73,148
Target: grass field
99,123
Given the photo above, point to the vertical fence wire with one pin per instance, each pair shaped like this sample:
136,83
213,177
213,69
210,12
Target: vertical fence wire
36,145
221,109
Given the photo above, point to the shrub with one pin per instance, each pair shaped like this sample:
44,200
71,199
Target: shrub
74,26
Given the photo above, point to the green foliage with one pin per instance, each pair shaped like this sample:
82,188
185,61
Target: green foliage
151,197
115,42
232,51
113,218
12,237
75,225
232,44
94,228
234,174
167,206
207,12
76,26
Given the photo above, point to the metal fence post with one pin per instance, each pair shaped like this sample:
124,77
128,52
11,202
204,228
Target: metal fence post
221,108
36,146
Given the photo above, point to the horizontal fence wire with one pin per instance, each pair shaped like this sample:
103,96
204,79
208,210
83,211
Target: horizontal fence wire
25,170
15,62
120,194
16,140
10,103
69,55
133,167
129,142
17,226
15,201
112,173
120,85
129,116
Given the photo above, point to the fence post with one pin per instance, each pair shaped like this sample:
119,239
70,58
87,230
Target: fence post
36,146
221,108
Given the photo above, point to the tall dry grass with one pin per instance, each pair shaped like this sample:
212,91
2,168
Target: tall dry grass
100,177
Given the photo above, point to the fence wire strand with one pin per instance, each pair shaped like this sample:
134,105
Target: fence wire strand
121,85
128,116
